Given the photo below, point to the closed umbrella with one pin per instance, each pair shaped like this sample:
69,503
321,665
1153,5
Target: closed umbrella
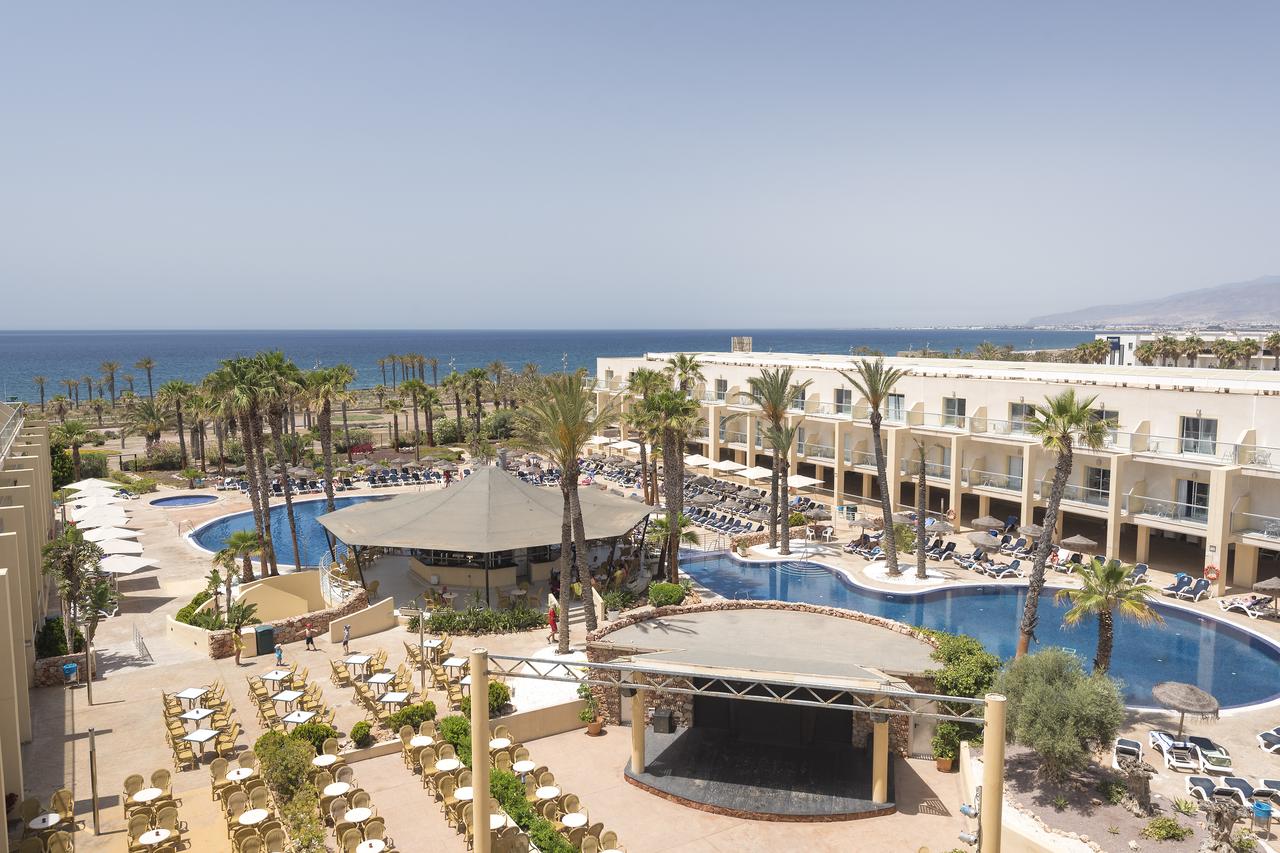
987,521
1185,699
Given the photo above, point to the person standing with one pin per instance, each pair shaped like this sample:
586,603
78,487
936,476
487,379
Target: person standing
279,655
346,639
551,621
237,643
311,638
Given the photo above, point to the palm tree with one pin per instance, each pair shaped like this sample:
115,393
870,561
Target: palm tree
684,370
74,434
773,391
1146,353
1271,342
477,379
922,503
149,419
1225,351
39,381
1246,349
324,386
382,363
88,384
239,547
1105,589
392,360
659,534
61,408
128,380
1062,423
109,370
1167,347
148,364
434,364
394,407
98,407
559,422
175,393
675,415
380,391
70,560
430,401
644,382
1191,347
455,385
498,374
781,438
280,380
875,381
97,598
198,405
73,390
416,387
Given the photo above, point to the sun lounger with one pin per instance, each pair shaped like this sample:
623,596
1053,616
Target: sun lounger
1013,570
1016,546
1271,785
1214,757
1201,787
1196,591
1242,788
1269,741
1139,571
1180,582
1126,748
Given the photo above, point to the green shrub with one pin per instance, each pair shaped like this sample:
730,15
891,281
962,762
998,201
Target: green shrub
93,463
1058,711
412,715
340,445
302,816
1183,806
1112,792
285,763
188,611
946,740
481,620
362,733
968,669
499,696
456,729
1244,842
505,787
619,599
164,456
1166,829
51,641
315,734
665,594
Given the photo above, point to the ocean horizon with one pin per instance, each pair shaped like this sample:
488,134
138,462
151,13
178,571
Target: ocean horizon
192,354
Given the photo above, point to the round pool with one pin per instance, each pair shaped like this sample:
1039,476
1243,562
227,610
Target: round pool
184,500
312,543
1237,666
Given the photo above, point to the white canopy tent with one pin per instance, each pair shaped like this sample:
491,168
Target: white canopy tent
756,473
101,517
800,481
103,534
81,485
87,500
726,465
123,564
129,547
625,444
697,460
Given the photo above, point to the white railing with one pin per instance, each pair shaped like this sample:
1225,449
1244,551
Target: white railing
817,451
994,426
993,480
734,437
911,467
1080,494
1252,524
1161,508
1203,449
140,645
1258,456
938,420
335,588
860,457
10,423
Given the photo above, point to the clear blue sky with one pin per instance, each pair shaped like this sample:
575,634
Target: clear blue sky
311,164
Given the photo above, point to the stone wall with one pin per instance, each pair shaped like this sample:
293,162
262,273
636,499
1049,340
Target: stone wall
289,630
49,670
748,540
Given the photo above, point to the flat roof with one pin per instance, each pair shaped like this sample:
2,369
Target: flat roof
774,641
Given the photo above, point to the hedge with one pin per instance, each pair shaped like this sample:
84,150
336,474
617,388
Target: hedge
665,594
412,715
479,620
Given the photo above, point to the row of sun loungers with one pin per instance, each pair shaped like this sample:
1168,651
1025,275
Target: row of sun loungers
1235,788
1187,588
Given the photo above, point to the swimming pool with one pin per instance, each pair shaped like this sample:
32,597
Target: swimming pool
184,500
312,543
1236,666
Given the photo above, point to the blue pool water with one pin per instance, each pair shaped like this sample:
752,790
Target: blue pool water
1234,665
311,539
184,500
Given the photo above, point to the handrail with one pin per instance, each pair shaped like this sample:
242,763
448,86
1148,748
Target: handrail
1206,449
931,469
1256,524
9,429
1162,508
993,480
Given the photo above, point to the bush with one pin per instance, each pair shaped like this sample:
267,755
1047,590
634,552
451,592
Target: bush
51,641
665,594
447,432
93,464
412,715
505,787
164,456
456,729
362,733
480,620
796,519
314,733
499,697
60,463
498,425
285,763
1058,711
188,611
302,816
1166,829
968,669
358,437
619,599
946,740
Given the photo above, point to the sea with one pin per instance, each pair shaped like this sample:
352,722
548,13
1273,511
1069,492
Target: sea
190,355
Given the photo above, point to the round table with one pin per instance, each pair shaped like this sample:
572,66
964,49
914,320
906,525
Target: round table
463,794
448,765
153,836
421,740
358,815
253,817
523,767
373,845
323,760
146,795
574,819
500,743
497,821
239,774
336,789
45,821
547,792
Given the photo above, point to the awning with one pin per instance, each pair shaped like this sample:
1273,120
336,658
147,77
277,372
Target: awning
489,511
800,481
726,465
756,473
697,460
102,534
120,564
81,485
121,546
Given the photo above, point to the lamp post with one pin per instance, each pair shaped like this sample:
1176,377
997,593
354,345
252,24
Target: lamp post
422,650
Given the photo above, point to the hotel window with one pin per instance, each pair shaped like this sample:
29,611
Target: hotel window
724,427
1199,435
1193,500
1097,485
895,408
1020,414
1014,471
722,388
759,431
844,401
1111,416
953,411
797,402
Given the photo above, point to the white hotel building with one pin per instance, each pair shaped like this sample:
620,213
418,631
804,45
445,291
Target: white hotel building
1190,477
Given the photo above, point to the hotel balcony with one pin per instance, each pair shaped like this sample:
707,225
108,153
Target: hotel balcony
1160,509
1202,450
813,450
1080,494
741,401
934,470
978,479
731,437
1258,456
937,420
829,411
10,423
702,436
860,459
1254,529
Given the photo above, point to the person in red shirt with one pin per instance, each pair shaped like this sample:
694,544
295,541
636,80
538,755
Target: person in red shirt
551,620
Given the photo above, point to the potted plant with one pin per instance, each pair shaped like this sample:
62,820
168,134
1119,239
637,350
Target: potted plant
946,745
590,713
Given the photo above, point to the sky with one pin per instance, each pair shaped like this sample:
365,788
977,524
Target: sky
652,164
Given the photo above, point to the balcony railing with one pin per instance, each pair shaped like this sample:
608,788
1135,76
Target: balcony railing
861,458
1202,449
1258,456
1172,510
731,437
911,467
938,420
817,451
1252,524
993,426
994,480
10,423
742,401
1081,494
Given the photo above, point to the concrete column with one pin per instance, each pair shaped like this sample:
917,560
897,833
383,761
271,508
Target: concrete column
1144,544
868,488
1029,484
992,809
1218,530
11,555
984,506
1246,566
479,672
637,732
10,687
880,759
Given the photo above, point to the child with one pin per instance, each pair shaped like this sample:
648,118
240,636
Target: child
311,638
279,655
346,639
551,620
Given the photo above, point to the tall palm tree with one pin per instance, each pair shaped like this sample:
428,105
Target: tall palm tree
922,505
60,407
1146,353
559,422
1167,347
149,419
88,384
279,381
198,405
394,407
74,434
430,401
98,407
175,393
1105,589
382,364
1246,349
1225,351
217,411
148,364
239,547
40,381
324,386
73,390
1061,423
128,380
454,384
1272,343
477,378
644,382
498,375
773,391
675,416
875,381
684,370
1192,346
109,370
434,364
416,388
380,391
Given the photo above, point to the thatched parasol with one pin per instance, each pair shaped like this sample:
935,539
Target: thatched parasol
987,521
817,513
1084,543
982,539
1032,530
1185,699
941,528
704,499
904,518
1271,587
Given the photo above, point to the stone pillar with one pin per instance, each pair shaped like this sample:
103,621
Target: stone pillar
479,671
1114,525
637,732
992,808
1218,528
10,736
19,632
984,507
880,759
1144,544
1245,573
868,488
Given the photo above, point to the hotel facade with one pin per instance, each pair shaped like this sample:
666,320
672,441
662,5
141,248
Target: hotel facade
1188,477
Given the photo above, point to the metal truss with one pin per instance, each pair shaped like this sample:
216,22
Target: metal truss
815,693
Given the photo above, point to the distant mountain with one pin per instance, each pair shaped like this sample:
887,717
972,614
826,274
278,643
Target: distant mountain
1244,302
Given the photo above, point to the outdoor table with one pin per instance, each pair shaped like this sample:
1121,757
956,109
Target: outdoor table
449,597
323,760
497,821
448,765
547,792
395,697
201,737
336,789
454,662
465,682
381,679
146,795
463,794
358,815
253,817
277,675
45,821
421,740
373,845
360,661
500,743
152,837
288,697
298,717
191,694
519,591
574,819
523,767
240,774
195,715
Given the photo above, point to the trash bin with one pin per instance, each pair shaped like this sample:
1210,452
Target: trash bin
70,673
662,721
265,640
1261,818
